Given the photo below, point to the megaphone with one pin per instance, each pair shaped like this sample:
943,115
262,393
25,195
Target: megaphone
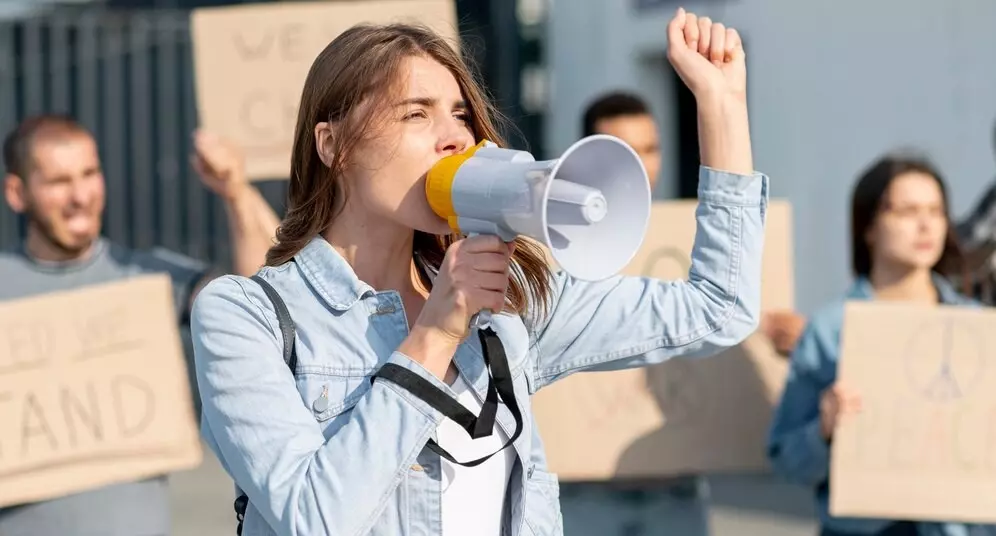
590,207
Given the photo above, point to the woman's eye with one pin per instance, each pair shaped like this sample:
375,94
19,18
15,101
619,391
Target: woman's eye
462,116
417,114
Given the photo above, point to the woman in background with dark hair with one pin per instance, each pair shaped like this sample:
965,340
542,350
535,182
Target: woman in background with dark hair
977,237
903,248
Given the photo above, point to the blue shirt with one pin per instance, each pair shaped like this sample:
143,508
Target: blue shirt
796,446
359,464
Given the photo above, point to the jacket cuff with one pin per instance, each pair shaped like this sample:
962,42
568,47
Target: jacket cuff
726,188
407,363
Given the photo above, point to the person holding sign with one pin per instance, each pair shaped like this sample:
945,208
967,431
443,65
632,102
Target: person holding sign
902,249
54,178
341,386
977,235
673,505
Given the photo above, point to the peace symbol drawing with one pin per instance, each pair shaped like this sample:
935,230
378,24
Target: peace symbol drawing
944,359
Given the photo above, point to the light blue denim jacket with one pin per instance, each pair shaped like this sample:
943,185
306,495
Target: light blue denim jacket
796,447
361,466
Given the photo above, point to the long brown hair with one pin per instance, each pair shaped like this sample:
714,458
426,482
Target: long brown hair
359,67
867,203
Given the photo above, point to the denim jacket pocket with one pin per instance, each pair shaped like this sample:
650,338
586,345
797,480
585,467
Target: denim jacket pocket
329,395
542,512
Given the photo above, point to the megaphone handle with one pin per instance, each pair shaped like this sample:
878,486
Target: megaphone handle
481,320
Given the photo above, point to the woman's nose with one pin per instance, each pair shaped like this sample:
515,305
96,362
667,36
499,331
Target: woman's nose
454,139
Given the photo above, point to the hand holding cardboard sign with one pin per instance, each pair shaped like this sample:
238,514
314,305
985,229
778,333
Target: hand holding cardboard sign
784,329
836,402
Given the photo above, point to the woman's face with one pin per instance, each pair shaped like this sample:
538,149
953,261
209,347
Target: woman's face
386,173
911,229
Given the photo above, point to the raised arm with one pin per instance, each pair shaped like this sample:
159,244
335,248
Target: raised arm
626,322
252,224
269,441
710,60
631,321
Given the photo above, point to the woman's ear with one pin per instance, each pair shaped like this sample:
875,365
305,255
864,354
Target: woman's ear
325,134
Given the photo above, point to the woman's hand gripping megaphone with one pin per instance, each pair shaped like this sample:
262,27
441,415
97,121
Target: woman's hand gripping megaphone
472,280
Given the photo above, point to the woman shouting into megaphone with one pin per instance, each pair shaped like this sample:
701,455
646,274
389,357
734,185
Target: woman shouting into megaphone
342,387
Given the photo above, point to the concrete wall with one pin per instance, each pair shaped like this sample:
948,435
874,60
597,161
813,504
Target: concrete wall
832,85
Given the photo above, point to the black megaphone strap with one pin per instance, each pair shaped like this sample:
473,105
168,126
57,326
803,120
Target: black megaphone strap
500,386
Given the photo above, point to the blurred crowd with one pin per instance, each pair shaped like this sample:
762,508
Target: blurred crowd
904,246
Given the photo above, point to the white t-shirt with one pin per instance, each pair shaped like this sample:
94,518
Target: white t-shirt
473,497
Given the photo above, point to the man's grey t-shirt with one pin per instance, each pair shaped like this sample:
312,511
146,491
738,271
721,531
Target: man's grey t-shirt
131,509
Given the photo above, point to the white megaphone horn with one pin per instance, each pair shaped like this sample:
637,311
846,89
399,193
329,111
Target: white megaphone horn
590,207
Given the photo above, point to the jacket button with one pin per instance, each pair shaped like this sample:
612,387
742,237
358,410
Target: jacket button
321,404
529,473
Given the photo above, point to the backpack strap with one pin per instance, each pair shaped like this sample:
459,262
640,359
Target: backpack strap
285,321
287,331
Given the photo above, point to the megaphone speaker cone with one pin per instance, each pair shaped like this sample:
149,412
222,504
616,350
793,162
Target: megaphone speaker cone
597,237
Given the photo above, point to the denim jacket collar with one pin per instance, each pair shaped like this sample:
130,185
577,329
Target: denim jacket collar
862,290
331,276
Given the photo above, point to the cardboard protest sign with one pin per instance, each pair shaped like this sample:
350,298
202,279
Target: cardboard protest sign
683,416
93,390
251,61
923,446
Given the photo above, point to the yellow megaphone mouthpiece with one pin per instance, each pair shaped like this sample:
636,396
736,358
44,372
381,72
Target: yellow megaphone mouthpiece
439,185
